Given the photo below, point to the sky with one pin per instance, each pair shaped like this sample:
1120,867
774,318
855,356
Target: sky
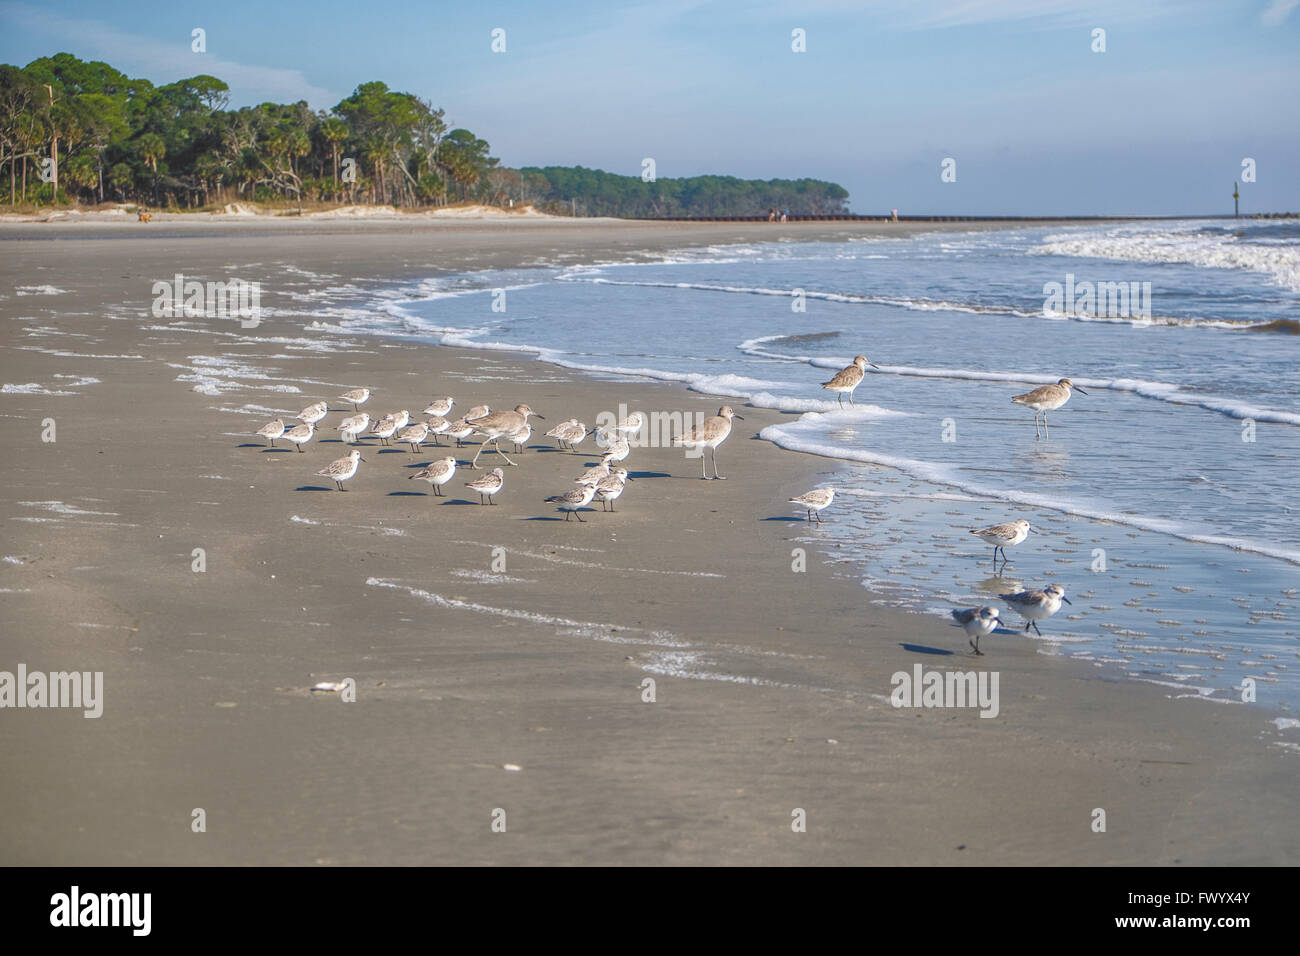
1035,120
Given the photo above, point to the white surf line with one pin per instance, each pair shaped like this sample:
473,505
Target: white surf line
937,474
1158,391
555,559
594,629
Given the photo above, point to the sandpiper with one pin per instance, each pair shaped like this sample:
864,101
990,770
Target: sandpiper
710,433
414,435
814,501
1035,606
357,397
1009,533
341,469
459,430
300,434
488,485
521,438
1045,399
977,622
272,430
497,425
385,428
437,474
571,501
847,379
437,426
609,488
440,406
313,413
353,426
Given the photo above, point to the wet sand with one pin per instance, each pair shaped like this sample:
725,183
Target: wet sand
772,687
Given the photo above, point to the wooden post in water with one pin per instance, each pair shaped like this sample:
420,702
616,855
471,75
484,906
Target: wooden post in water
1234,199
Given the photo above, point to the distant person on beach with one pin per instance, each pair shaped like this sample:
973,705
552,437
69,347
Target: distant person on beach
785,215
771,214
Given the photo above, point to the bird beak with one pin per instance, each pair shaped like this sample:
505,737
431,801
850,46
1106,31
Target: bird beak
741,417
873,365
1079,390
542,417
1067,600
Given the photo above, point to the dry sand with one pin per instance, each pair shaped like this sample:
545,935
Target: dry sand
461,672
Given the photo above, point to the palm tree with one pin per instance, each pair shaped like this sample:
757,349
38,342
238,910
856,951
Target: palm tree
152,148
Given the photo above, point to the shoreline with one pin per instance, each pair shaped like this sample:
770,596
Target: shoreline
463,685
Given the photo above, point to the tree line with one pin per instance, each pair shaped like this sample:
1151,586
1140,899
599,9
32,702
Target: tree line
73,131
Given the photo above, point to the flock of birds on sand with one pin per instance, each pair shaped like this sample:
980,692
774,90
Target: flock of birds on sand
606,481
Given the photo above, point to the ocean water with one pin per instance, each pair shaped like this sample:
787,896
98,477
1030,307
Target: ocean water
1164,500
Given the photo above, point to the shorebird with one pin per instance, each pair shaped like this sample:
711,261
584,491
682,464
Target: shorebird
814,501
521,438
357,396
568,433
272,430
352,427
437,474
595,474
977,622
403,418
618,449
341,469
478,411
1035,606
608,489
710,433
1047,398
385,428
630,426
497,425
313,413
440,406
1001,535
847,379
459,430
603,437
571,501
414,435
437,426
300,434
488,484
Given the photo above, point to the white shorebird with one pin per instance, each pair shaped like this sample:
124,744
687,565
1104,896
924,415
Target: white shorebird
341,469
847,379
609,488
459,430
440,406
497,425
569,433
437,474
596,473
1002,536
618,449
571,501
353,426
710,433
977,622
814,501
414,435
630,426
488,484
385,428
300,434
403,418
357,397
1047,398
1035,606
478,411
313,413
272,430
521,438
437,426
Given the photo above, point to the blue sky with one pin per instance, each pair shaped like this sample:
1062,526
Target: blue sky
1037,122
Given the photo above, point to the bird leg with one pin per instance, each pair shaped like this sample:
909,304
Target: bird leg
497,442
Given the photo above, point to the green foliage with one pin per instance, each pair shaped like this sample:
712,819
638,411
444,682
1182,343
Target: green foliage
124,139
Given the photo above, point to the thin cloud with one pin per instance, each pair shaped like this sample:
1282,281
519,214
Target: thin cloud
166,62
1277,12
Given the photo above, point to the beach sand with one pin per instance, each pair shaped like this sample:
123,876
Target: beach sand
772,687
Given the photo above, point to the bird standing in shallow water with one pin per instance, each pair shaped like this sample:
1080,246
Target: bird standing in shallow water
847,379
1045,399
